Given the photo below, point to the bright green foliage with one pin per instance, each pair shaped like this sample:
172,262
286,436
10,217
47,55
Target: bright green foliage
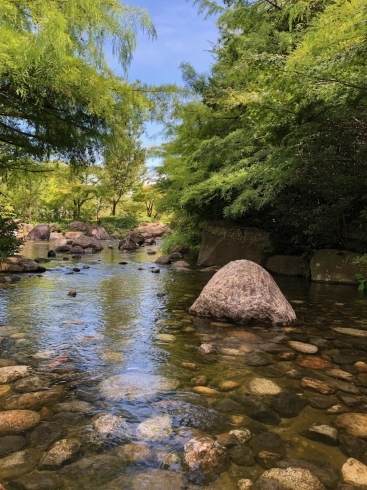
57,94
276,136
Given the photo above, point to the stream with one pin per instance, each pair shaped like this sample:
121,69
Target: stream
119,364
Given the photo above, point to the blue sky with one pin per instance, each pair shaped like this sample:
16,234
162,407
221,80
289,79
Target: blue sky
182,36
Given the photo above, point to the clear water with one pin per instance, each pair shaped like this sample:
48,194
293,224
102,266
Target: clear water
113,326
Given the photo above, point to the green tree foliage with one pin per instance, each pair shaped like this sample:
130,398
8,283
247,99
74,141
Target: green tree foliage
57,94
275,136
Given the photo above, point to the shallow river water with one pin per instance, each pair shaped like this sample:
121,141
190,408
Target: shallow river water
126,347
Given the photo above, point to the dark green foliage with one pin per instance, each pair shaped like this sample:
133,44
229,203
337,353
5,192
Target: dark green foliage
276,134
9,243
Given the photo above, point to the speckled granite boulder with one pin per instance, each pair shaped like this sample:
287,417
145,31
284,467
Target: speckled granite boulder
243,292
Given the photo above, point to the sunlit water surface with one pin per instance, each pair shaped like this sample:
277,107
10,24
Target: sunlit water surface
112,327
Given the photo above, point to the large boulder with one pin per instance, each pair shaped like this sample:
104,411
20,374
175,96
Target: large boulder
98,232
73,235
128,243
56,236
19,263
222,244
136,237
243,292
78,226
87,242
336,266
287,265
39,232
152,230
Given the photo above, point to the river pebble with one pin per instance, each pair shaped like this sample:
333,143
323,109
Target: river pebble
12,373
294,479
302,347
263,386
155,429
354,472
15,421
64,451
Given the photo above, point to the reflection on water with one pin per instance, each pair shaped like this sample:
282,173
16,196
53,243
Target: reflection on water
125,345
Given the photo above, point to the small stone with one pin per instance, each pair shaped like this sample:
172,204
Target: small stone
321,401
33,401
339,374
294,478
208,352
337,409
156,270
227,440
72,294
243,435
361,366
263,386
268,441
316,385
241,456
286,356
64,451
245,484
267,459
228,385
354,332
110,427
322,433
354,472
155,429
15,421
74,406
313,363
166,337
4,389
287,404
302,347
205,390
134,453
16,464
354,424
10,444
12,373
46,434
199,380
188,365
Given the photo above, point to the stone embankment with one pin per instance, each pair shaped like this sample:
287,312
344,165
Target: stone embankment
222,244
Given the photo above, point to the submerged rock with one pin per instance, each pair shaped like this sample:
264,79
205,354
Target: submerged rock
354,472
155,429
294,479
64,451
243,292
132,386
18,463
15,421
205,458
12,373
110,427
354,424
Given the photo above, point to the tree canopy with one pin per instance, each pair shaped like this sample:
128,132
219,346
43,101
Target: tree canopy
275,135
58,95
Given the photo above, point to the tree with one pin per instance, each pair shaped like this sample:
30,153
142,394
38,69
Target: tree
277,139
57,93
123,167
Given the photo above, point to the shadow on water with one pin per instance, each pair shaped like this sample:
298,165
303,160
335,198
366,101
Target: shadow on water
126,346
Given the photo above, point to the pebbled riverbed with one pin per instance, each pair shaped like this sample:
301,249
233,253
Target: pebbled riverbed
117,386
